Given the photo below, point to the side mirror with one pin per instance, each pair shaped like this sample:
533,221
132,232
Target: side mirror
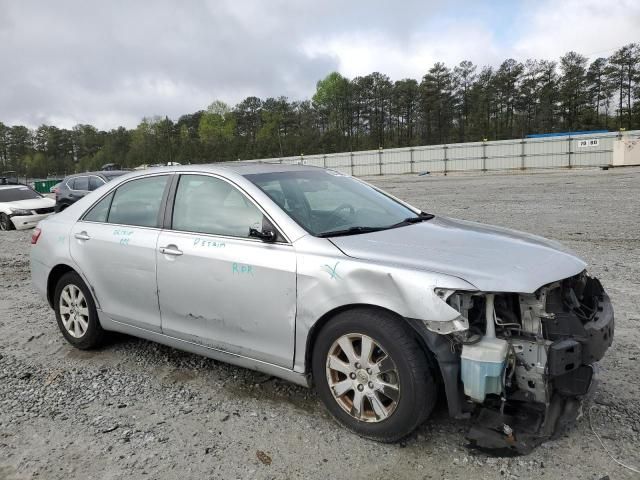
266,235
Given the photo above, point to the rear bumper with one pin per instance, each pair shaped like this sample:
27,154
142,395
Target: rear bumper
39,275
24,222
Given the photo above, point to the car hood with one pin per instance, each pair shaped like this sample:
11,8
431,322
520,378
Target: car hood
493,259
32,203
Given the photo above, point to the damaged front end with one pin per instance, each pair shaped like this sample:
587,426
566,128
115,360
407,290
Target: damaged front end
526,360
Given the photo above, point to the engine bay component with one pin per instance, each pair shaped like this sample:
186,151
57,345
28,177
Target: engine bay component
564,356
528,359
530,369
483,363
529,424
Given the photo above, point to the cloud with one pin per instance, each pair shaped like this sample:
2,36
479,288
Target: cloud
590,27
111,63
360,54
96,62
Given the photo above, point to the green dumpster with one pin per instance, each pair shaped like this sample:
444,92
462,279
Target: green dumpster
43,186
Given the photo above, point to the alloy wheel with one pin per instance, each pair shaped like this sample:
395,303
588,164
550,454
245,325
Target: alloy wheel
74,311
363,378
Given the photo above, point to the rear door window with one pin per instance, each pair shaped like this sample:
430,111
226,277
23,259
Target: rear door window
138,202
81,183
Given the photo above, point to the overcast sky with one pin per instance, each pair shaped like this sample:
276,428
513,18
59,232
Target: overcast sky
110,63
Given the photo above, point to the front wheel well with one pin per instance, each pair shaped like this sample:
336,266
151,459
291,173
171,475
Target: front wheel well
326,318
56,273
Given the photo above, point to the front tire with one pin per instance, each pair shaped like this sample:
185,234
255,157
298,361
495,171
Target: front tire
372,375
6,223
76,313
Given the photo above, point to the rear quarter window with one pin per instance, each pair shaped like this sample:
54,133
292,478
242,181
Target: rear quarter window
95,182
100,211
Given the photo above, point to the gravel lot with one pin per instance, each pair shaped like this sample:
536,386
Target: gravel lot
139,410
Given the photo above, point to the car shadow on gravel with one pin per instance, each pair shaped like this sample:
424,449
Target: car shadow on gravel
178,367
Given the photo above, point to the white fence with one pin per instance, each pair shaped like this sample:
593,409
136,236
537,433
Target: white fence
591,150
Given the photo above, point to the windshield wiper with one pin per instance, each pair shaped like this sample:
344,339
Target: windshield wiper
422,217
350,231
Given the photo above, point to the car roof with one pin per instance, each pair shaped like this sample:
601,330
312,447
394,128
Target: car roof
247,168
241,168
108,173
19,185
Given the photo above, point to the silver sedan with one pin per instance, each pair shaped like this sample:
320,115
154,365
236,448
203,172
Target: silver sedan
322,279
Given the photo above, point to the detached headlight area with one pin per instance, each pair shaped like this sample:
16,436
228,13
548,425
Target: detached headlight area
454,304
525,359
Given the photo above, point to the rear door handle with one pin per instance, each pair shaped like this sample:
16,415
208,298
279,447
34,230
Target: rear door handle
82,236
171,250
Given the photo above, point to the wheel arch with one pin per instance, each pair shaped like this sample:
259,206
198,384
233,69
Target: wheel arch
444,363
55,275
328,316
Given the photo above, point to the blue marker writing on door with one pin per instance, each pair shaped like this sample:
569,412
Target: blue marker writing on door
242,269
124,235
203,242
333,274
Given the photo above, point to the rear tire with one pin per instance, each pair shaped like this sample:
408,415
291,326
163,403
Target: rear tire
383,395
6,223
76,313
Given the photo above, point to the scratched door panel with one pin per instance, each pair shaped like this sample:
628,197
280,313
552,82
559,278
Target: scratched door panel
232,294
119,262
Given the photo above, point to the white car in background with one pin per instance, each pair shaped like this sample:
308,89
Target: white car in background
22,208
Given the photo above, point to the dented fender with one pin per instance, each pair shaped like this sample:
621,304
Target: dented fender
327,280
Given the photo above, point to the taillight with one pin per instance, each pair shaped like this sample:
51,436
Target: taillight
35,236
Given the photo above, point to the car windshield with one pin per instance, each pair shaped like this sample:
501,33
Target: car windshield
327,203
17,193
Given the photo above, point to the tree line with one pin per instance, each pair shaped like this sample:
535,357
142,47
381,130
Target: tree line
447,105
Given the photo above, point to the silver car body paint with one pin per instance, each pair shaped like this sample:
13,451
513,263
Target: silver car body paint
493,259
122,275
328,280
240,295
262,319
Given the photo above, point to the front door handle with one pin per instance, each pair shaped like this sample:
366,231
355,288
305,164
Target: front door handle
82,236
171,250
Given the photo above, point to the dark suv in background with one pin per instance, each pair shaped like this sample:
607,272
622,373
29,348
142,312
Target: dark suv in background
74,187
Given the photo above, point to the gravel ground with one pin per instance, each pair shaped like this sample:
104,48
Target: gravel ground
135,409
